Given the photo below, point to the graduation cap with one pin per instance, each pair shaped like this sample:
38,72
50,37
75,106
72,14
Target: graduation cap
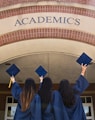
84,58
13,70
41,71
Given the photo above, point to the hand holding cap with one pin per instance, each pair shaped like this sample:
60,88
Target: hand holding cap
84,59
84,67
41,71
13,70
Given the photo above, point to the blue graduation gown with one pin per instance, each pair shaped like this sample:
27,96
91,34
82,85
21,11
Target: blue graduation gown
76,112
34,111
48,115
58,107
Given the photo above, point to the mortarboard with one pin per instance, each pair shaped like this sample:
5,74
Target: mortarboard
84,58
13,70
41,71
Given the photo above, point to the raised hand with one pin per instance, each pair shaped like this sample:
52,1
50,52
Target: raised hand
84,67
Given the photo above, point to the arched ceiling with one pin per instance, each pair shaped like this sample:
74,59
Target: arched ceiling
57,56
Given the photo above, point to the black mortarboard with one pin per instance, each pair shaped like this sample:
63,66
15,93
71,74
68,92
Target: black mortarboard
84,58
41,71
13,70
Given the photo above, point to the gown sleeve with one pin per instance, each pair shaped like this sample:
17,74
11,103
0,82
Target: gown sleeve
40,85
81,84
16,90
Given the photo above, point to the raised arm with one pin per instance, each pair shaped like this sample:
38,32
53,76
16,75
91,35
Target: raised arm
81,83
83,69
41,80
16,89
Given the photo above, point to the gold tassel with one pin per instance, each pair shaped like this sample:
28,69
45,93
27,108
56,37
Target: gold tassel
9,84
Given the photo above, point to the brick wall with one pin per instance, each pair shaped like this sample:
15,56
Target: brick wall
4,3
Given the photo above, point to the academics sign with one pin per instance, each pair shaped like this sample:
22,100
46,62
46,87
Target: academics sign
48,20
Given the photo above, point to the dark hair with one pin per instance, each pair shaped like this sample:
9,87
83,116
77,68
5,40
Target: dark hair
67,93
45,92
27,94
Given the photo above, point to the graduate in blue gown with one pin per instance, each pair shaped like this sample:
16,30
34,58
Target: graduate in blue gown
67,103
45,92
29,104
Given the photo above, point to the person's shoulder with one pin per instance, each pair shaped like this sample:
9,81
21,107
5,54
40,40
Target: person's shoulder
56,98
36,99
36,96
55,92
